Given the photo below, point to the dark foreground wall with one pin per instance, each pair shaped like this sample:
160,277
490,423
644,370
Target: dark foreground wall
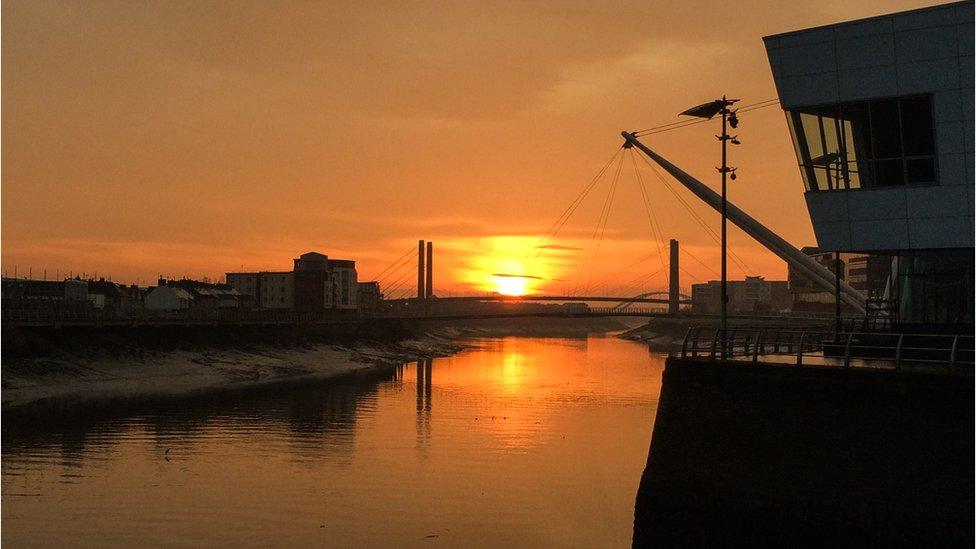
745,454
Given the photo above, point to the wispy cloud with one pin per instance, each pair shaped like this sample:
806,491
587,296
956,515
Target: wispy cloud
558,247
646,64
508,275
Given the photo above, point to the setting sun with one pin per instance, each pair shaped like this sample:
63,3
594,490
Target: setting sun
508,265
510,285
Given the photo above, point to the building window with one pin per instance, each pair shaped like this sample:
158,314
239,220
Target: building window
880,143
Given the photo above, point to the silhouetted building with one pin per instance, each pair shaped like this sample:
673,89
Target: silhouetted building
369,297
317,283
268,289
208,296
75,290
753,294
881,115
168,298
805,294
324,284
36,290
313,288
869,274
344,284
866,273
41,298
107,296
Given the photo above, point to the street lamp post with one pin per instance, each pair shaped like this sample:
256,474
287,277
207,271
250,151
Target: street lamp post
729,118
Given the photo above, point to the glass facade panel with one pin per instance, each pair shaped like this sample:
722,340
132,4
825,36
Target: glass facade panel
796,148
936,287
878,143
853,176
831,132
916,114
885,131
888,173
811,131
820,176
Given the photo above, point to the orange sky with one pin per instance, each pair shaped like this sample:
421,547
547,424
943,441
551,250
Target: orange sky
189,138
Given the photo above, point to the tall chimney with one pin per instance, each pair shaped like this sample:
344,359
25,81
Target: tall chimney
673,290
420,270
430,270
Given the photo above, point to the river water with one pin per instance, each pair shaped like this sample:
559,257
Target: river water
516,441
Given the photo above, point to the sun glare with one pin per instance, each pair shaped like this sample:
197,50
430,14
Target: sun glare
510,285
508,265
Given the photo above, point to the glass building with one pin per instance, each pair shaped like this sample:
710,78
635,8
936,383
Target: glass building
880,112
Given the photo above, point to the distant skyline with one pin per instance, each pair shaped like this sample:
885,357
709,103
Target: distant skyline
191,139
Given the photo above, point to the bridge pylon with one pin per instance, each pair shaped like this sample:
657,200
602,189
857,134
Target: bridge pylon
673,287
429,281
420,271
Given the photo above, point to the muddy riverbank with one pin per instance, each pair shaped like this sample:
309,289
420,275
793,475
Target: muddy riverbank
54,371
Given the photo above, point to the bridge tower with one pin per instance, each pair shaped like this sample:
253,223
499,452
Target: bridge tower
674,288
429,285
420,271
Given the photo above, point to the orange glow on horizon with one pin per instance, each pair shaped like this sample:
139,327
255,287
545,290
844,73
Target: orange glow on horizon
508,265
230,148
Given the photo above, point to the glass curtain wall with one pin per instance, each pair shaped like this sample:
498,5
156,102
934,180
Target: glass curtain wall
936,287
878,143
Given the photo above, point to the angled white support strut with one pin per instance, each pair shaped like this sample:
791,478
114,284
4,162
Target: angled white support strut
819,274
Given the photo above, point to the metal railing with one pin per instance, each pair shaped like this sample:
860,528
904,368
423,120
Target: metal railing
867,324
828,347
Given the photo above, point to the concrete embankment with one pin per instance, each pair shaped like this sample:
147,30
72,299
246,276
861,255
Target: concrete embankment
770,455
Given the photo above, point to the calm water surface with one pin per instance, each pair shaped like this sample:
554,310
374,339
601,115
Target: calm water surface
519,441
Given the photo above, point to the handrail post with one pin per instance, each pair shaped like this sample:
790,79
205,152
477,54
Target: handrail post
684,344
799,349
952,353
755,346
847,351
901,338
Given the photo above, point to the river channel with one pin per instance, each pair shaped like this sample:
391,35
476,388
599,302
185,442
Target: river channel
513,442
